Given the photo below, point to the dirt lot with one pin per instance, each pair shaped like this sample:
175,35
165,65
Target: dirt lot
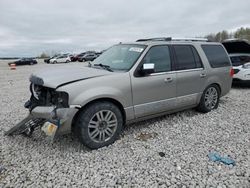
174,153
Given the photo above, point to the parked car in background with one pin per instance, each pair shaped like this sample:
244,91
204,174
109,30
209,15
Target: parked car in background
24,61
128,83
79,57
46,60
87,57
60,59
239,52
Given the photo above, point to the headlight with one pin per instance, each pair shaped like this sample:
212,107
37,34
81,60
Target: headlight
246,66
60,99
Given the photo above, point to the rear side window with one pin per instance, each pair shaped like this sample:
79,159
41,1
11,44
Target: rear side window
187,57
216,55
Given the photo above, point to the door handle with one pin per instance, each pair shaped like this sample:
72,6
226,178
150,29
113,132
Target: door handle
202,75
168,80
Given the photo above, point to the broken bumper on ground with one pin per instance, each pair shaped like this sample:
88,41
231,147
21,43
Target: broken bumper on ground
50,119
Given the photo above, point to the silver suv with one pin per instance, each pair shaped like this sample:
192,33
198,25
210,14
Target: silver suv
127,83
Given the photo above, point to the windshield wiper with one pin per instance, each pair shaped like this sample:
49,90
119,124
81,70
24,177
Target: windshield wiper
106,67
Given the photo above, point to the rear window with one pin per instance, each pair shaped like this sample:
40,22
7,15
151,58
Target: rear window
239,60
216,55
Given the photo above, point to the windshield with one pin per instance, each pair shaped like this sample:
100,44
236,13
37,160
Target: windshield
121,56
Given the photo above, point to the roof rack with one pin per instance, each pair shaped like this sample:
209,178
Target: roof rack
173,39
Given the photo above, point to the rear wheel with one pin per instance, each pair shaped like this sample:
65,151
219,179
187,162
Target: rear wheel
100,124
54,62
67,61
210,99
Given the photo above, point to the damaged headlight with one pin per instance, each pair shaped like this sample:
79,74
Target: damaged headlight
44,96
36,90
60,99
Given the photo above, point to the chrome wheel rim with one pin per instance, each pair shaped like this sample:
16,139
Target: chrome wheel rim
102,126
211,98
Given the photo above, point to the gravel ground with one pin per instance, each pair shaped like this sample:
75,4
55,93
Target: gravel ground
173,153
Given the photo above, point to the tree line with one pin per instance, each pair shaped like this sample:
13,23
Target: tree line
241,33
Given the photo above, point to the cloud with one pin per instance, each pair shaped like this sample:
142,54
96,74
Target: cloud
32,26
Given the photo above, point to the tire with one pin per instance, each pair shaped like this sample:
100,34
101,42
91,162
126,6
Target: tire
67,61
54,62
99,124
209,99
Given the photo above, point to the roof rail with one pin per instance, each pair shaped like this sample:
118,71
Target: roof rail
155,39
172,39
190,39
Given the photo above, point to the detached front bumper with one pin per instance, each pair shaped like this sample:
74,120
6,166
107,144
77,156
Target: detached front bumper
41,116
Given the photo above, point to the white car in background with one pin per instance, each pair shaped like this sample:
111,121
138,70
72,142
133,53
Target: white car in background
239,53
65,58
241,66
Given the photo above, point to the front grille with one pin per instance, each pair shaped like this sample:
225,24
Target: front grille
236,71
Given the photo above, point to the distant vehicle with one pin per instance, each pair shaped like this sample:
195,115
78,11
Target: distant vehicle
24,61
75,57
88,57
78,57
60,59
48,59
239,53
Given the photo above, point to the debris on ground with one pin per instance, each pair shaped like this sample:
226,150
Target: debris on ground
146,136
213,156
162,154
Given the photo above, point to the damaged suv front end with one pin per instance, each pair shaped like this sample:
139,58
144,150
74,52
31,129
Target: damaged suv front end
48,105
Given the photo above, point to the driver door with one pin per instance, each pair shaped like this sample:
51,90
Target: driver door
156,92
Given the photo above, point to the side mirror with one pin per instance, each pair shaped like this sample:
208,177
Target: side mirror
148,68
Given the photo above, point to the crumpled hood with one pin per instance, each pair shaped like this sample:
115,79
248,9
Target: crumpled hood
58,76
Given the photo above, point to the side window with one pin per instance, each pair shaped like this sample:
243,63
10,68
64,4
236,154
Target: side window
197,58
160,56
216,55
185,57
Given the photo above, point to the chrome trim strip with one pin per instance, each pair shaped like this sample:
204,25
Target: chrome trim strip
179,71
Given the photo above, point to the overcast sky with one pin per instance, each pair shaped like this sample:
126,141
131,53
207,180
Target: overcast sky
29,27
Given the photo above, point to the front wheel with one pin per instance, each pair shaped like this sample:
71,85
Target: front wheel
99,124
210,99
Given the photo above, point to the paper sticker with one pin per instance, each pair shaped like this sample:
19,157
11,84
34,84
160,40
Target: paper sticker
136,49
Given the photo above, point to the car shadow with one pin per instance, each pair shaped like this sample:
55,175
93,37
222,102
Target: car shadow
241,85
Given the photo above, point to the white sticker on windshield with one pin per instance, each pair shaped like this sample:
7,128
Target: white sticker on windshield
136,49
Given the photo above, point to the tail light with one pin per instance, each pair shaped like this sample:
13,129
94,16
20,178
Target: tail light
231,72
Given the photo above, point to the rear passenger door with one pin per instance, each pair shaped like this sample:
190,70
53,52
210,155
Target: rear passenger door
190,75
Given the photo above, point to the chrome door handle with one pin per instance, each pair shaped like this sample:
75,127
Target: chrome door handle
167,80
202,75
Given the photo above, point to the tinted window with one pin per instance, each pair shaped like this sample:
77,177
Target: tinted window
197,58
216,55
160,56
185,58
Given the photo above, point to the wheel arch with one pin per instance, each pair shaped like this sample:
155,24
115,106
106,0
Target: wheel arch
107,99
